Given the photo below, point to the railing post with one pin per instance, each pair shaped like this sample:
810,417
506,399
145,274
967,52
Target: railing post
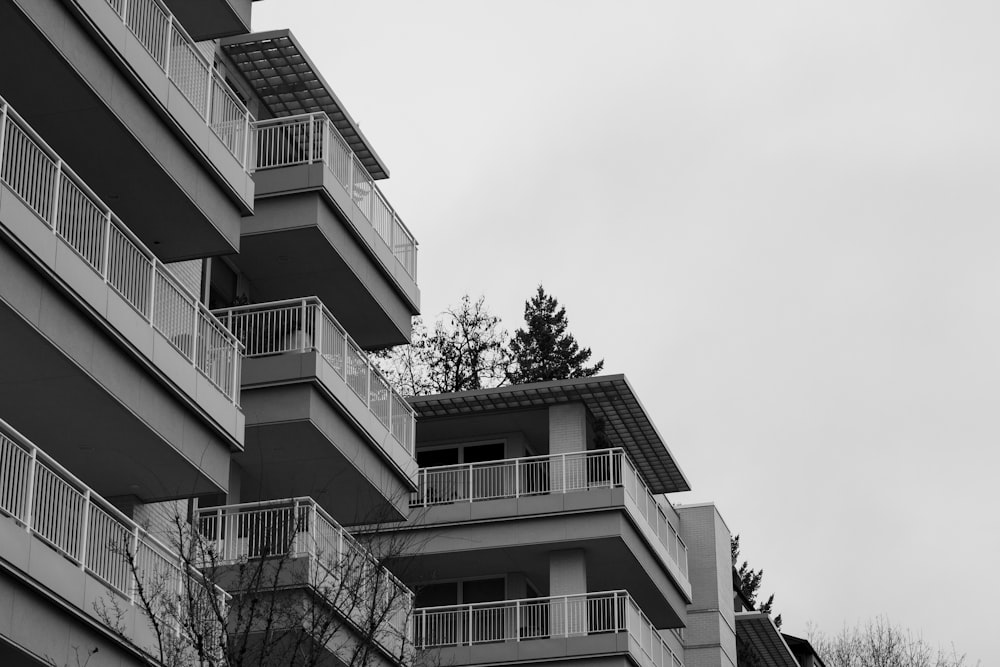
152,289
470,625
313,531
29,492
208,96
470,482
517,479
302,326
221,545
566,615
563,472
194,335
326,140
125,12
312,137
106,256
135,570
84,529
236,370
56,189
517,620
170,41
247,138
3,133
318,329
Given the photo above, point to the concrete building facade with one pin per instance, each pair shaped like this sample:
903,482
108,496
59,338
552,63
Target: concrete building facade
195,262
195,259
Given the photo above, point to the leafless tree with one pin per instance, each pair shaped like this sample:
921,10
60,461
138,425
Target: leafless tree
276,584
879,643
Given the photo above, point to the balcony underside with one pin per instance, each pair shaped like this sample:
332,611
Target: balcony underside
136,155
617,557
210,19
67,384
604,650
299,442
296,244
50,607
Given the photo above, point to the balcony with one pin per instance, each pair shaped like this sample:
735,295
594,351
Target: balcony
320,210
291,346
547,628
65,538
177,378
210,19
343,573
530,482
140,111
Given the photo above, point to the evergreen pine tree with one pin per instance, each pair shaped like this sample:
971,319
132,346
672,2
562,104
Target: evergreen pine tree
544,350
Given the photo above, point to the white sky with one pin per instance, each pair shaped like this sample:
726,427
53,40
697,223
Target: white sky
777,218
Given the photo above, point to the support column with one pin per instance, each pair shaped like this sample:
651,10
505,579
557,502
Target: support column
567,435
568,576
710,635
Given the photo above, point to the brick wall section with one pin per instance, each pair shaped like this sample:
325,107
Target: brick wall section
567,572
710,636
567,428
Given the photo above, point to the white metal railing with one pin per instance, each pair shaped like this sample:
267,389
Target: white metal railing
178,56
309,138
78,217
541,618
52,504
345,571
556,473
305,324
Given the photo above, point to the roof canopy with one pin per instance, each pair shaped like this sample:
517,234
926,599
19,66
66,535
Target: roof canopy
288,83
607,397
756,629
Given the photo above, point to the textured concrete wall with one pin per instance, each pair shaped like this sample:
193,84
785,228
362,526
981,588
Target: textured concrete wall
567,428
710,637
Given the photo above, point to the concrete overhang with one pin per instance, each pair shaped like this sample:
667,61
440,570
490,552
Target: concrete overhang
759,632
288,83
101,101
87,376
518,537
607,397
301,243
306,437
210,19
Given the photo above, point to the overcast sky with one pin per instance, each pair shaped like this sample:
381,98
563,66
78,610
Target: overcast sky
777,218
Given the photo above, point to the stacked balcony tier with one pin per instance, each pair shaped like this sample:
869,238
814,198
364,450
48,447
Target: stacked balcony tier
63,546
585,626
515,512
321,419
322,226
121,91
294,544
105,355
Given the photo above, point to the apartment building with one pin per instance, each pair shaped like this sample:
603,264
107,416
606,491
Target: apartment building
540,532
195,258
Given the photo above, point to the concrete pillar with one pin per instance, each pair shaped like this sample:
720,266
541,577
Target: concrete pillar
568,576
567,434
710,635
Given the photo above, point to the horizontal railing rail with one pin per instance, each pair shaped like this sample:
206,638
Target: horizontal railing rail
301,325
350,576
541,618
55,506
311,138
177,54
556,473
78,217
